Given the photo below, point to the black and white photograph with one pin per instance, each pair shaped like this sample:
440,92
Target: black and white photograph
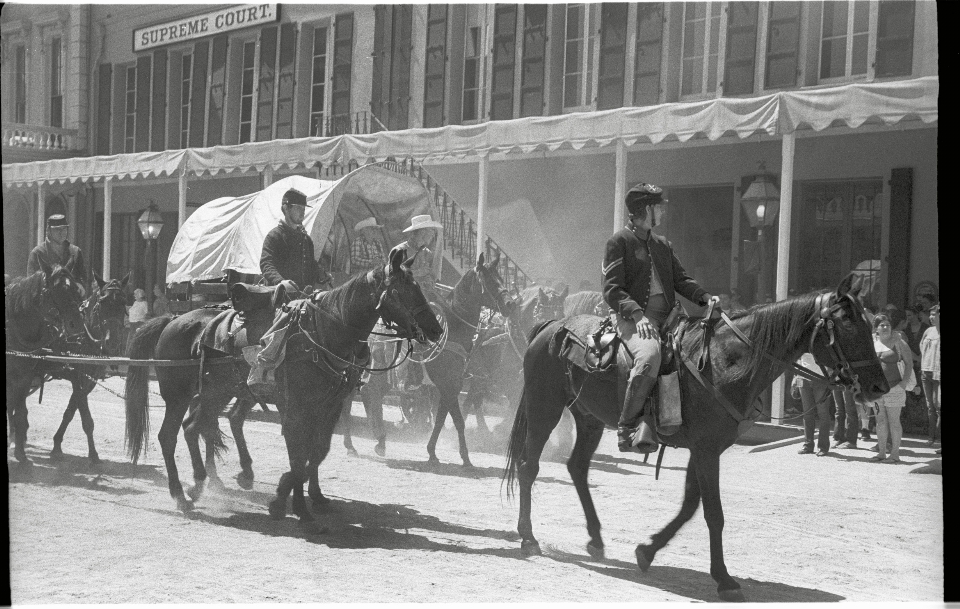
472,303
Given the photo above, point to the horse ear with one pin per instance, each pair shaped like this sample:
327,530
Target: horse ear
479,261
846,284
126,278
396,259
564,293
99,280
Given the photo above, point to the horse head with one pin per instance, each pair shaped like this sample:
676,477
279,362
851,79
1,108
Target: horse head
493,294
61,299
549,304
403,304
843,340
111,297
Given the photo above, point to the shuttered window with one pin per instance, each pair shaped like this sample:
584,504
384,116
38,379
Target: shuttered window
342,68
741,53
142,143
56,82
267,82
130,110
435,66
613,48
198,95
783,40
646,74
246,91
218,75
286,80
159,123
104,106
20,85
504,58
532,63
895,23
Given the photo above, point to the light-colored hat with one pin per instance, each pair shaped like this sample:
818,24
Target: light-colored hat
424,221
370,222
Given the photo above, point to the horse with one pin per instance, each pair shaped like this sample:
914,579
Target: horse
585,302
325,352
479,287
41,311
831,325
103,313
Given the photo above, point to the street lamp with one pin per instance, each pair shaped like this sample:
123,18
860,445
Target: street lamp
761,202
151,223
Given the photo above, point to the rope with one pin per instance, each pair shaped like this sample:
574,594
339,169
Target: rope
95,360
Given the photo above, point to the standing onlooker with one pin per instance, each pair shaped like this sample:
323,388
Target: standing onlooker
161,306
845,436
897,363
139,312
816,410
930,371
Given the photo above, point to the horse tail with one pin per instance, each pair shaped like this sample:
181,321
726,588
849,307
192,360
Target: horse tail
137,402
518,439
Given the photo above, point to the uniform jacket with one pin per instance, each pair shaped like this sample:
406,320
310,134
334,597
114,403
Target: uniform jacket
288,254
626,272
52,255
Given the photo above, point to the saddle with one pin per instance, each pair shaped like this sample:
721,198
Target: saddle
242,325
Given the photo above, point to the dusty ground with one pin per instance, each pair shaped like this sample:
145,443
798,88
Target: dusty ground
798,528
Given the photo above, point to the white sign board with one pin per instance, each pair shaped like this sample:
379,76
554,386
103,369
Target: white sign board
207,24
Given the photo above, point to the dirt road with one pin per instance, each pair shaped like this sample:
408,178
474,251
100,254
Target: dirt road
798,528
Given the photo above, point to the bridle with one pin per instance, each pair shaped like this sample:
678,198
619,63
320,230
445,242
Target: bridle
841,366
98,298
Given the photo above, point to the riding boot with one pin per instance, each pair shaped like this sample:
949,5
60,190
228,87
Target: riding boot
635,429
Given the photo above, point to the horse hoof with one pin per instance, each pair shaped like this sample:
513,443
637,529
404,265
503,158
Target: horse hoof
304,515
530,547
216,485
278,509
195,491
56,455
643,561
353,452
245,480
731,596
596,552
184,505
433,460
380,449
95,460
467,463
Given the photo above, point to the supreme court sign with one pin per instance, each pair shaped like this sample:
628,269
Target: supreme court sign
206,24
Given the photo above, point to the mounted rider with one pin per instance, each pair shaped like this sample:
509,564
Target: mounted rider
287,260
641,274
424,236
56,249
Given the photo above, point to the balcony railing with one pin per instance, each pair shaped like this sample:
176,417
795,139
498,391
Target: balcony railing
36,137
459,229
353,123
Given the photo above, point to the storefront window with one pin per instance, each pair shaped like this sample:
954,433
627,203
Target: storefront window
840,227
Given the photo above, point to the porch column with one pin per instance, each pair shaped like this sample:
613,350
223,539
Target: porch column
267,176
182,198
619,188
107,225
482,202
41,212
72,216
787,148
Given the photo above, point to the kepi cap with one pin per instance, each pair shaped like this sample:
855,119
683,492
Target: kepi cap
57,220
294,197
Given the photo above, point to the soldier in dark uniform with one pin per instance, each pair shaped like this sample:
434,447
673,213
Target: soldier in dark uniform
287,257
641,275
55,249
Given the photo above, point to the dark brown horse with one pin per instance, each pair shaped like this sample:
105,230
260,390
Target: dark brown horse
479,287
325,354
41,311
103,313
832,326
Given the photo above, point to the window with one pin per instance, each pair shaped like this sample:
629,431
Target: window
56,82
246,91
130,110
895,39
783,39
20,85
186,73
471,76
217,90
578,57
613,50
646,75
532,60
342,68
504,59
844,39
318,85
435,68
701,45
286,80
741,49
267,83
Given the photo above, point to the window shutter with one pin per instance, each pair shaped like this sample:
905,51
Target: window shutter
435,66
895,38
159,127
898,258
342,68
304,82
741,55
783,40
268,62
646,75
504,60
285,80
105,103
198,97
533,63
218,73
142,133
613,46
400,68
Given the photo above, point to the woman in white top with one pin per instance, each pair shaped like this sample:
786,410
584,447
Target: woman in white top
930,372
896,359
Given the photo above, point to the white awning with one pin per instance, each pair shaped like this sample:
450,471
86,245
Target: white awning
784,112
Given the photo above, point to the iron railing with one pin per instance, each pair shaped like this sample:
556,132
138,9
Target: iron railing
459,229
353,123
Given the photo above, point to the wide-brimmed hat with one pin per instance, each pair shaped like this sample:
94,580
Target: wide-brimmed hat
294,197
57,220
370,222
424,221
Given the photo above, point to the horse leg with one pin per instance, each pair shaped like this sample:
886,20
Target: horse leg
321,447
708,475
299,440
191,434
19,424
527,471
237,417
346,425
373,405
457,415
438,424
86,422
167,437
57,453
691,501
589,432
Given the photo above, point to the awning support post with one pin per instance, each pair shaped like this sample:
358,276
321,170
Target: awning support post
787,147
107,225
182,198
41,212
482,202
267,176
619,188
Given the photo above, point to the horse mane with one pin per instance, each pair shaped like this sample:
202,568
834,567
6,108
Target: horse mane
341,297
776,325
23,293
582,302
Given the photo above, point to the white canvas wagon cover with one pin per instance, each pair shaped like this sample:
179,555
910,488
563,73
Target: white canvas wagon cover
228,233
